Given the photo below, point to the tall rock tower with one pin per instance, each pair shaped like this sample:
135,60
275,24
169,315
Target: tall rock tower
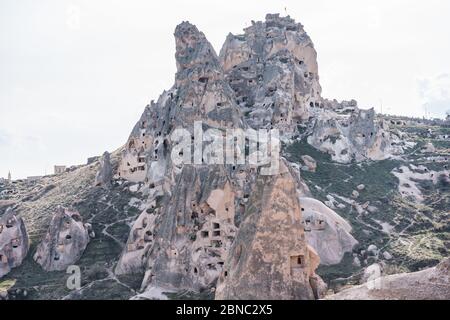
183,242
273,70
200,93
270,258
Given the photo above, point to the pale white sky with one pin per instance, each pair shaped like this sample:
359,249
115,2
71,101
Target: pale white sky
76,75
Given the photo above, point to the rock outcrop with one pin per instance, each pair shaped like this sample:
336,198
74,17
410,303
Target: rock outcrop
326,231
270,258
14,242
64,242
182,241
273,71
357,137
105,172
428,284
195,230
310,163
200,93
182,238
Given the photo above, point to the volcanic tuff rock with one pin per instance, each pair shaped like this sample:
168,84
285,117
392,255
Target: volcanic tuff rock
326,231
196,229
270,258
273,70
165,227
428,284
64,243
180,240
105,172
200,93
355,137
13,241
182,237
310,163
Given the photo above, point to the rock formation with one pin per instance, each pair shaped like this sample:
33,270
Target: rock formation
326,231
182,242
182,238
64,242
200,93
203,228
196,229
356,136
273,70
428,284
105,172
270,258
310,163
13,241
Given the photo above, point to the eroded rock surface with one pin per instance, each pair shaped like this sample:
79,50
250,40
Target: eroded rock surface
105,172
65,241
357,136
14,242
194,231
428,284
200,93
326,231
182,237
272,68
270,258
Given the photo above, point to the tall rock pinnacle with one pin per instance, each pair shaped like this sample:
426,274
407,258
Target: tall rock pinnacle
194,55
270,258
200,93
273,69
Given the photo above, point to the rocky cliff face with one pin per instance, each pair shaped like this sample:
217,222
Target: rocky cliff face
273,71
105,172
326,231
13,241
195,231
357,136
270,258
182,237
264,79
200,93
64,243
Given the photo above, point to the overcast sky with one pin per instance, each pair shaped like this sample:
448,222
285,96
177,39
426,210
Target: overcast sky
76,75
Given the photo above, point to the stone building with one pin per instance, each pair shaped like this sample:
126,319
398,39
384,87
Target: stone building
59,169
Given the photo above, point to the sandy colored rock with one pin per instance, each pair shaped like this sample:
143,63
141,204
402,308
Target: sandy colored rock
270,258
355,137
310,163
14,243
326,231
105,172
273,71
64,243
